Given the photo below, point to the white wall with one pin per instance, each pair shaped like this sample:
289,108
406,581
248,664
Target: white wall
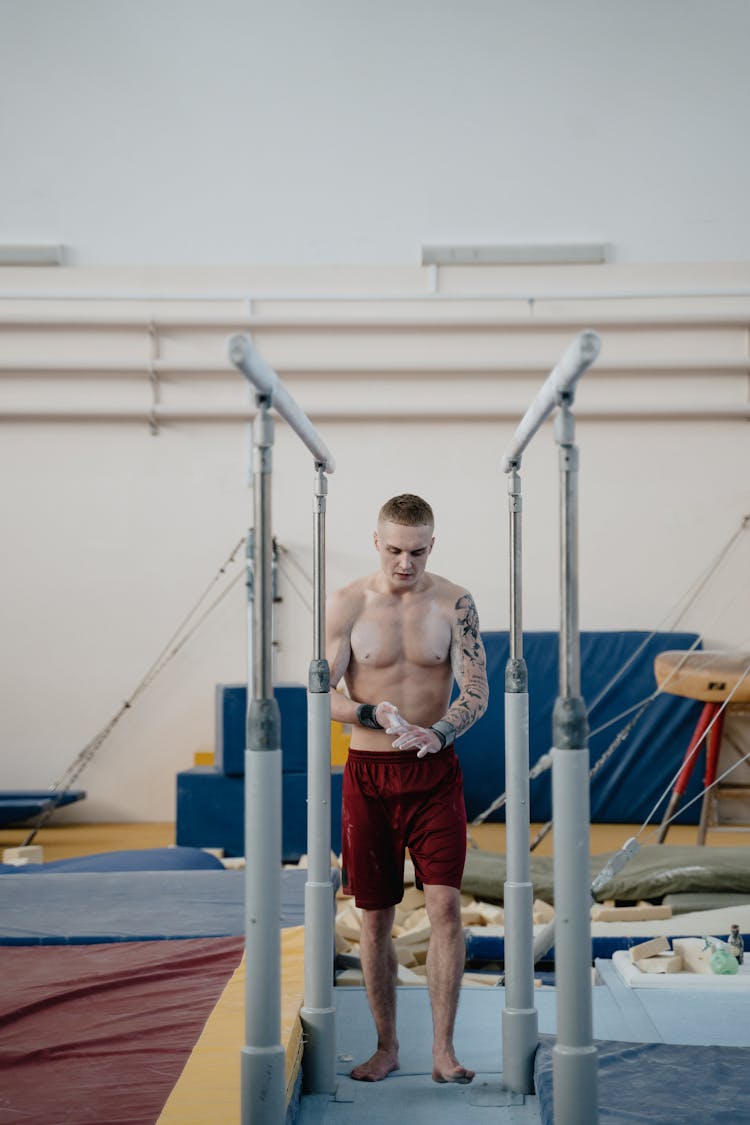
173,132
111,533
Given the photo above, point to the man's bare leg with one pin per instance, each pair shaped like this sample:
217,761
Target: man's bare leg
445,965
379,966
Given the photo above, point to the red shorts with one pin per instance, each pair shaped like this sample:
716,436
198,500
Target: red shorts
392,801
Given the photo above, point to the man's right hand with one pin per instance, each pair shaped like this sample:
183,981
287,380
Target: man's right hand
389,718
409,736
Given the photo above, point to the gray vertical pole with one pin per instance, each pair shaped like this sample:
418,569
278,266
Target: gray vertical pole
263,1079
519,1019
250,587
574,1075
318,1013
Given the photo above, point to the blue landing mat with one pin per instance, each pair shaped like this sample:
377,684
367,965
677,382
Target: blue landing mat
136,859
19,805
660,1082
89,907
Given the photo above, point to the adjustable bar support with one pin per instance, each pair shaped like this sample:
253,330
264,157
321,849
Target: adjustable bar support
519,1018
574,1074
263,1079
318,1013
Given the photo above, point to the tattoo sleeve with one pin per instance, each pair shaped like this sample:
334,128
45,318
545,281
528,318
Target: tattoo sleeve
469,665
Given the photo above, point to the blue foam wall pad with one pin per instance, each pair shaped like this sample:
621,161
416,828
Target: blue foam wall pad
210,811
627,787
230,720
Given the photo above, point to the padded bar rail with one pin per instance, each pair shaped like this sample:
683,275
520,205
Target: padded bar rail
561,380
248,360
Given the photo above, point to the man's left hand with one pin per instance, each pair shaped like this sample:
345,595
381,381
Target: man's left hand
423,738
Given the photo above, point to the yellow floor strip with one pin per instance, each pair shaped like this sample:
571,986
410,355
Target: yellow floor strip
208,1090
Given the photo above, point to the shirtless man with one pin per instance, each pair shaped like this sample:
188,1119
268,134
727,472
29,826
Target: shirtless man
397,639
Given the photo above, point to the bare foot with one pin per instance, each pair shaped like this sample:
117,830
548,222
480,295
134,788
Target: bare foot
377,1067
447,1068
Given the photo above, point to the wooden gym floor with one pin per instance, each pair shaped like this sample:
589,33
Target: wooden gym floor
63,841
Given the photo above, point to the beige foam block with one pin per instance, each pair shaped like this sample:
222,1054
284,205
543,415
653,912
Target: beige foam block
641,913
491,914
695,958
648,948
405,956
414,936
341,944
416,920
349,978
406,976
471,915
409,873
30,853
543,912
234,862
488,980
348,924
664,962
412,900
417,948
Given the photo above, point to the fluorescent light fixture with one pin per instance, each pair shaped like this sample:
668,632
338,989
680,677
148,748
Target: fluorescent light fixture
31,254
519,254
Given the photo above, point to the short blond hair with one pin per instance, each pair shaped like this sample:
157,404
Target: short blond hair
408,510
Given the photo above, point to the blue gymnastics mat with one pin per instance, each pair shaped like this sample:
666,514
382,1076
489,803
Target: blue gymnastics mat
20,805
662,1083
86,907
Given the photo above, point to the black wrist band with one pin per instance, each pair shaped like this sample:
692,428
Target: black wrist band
445,731
366,717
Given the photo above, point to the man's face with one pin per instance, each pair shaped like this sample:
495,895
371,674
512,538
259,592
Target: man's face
403,553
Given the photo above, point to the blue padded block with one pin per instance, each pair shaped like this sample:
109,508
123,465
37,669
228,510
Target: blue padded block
230,719
627,787
210,811
491,947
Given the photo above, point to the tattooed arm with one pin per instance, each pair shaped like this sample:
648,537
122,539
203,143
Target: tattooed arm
469,666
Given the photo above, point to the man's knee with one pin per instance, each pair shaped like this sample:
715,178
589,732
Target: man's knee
443,905
377,924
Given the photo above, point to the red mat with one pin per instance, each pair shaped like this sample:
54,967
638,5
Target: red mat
100,1033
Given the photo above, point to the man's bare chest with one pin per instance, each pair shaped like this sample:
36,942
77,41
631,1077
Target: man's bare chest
386,636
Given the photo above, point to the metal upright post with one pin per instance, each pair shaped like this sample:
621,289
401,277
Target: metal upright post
263,1056
574,1055
250,587
318,1013
519,1020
